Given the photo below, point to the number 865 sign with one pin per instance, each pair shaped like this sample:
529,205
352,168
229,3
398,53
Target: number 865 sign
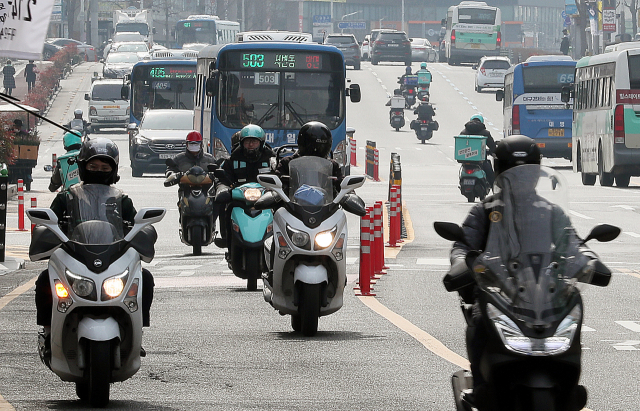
23,26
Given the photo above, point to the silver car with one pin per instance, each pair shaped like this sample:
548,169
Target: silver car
117,65
490,72
422,50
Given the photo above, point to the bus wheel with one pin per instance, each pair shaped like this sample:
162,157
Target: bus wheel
588,179
622,180
606,179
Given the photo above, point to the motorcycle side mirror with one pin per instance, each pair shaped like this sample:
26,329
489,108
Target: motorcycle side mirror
132,127
474,67
211,86
603,233
219,173
499,95
450,231
143,218
565,95
354,204
348,184
354,93
47,218
48,167
274,183
124,92
86,96
212,168
267,201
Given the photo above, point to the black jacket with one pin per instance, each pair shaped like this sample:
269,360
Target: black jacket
184,161
239,170
425,112
477,128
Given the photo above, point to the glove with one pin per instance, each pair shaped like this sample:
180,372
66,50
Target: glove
223,195
172,179
471,258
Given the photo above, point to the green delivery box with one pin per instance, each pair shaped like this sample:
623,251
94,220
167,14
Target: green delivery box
470,148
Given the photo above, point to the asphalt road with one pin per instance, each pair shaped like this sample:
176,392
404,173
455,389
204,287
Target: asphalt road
214,346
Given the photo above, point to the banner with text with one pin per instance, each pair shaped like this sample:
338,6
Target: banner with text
23,27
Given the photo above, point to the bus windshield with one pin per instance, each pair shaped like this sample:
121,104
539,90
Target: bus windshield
280,100
547,79
162,86
476,16
195,32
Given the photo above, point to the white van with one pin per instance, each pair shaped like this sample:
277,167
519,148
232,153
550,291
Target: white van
106,107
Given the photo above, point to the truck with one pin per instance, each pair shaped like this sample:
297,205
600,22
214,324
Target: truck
134,20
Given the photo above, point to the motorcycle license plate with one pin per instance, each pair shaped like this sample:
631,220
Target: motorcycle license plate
166,156
423,128
468,182
393,45
556,132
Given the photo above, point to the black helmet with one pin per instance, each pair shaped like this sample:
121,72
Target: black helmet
314,139
514,151
103,149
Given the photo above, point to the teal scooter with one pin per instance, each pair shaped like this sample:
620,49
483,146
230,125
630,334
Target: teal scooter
249,229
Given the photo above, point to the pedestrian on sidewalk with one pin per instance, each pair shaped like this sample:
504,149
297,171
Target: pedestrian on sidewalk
9,80
30,74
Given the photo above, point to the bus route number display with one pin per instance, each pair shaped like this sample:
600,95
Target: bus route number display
275,60
172,73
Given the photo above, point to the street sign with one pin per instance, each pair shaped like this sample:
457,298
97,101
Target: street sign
321,18
352,25
570,7
609,20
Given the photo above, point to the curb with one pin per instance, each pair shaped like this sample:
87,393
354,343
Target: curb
10,265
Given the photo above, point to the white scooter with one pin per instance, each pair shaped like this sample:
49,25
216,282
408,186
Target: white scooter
306,256
96,283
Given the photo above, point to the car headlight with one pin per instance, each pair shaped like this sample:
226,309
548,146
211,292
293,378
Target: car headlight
140,140
298,238
252,194
112,287
82,286
515,341
324,238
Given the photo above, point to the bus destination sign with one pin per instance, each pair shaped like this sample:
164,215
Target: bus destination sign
172,72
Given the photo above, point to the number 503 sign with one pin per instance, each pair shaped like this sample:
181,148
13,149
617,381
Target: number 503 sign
23,26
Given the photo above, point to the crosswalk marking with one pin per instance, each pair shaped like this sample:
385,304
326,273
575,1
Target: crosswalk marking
630,325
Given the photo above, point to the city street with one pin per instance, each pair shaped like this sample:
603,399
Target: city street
212,345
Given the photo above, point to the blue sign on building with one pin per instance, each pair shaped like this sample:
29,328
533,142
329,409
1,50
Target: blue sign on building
352,25
570,7
322,18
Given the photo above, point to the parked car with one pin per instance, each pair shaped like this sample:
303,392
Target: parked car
391,46
490,72
84,49
365,49
106,107
349,47
158,138
422,50
117,65
48,50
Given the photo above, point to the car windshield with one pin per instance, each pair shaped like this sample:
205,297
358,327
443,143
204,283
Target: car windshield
122,58
132,48
174,120
496,65
392,36
110,92
340,40
284,100
127,37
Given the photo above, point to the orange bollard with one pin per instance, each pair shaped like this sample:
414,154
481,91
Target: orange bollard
365,258
20,206
34,204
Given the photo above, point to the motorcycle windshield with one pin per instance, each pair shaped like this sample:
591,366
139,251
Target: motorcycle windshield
532,261
311,185
96,214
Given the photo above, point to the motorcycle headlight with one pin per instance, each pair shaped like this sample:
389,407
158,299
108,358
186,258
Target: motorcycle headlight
112,287
514,340
325,238
252,194
82,286
298,238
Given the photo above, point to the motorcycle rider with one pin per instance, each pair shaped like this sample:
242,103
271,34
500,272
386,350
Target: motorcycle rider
194,155
249,158
78,123
67,165
407,72
423,70
475,127
425,111
97,164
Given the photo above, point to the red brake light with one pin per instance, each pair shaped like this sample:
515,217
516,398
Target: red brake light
483,71
453,36
618,124
378,42
499,40
515,119
469,170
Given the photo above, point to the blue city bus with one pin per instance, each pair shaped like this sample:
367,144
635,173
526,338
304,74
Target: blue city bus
277,85
161,84
532,103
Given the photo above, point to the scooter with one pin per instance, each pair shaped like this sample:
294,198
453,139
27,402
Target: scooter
96,287
197,216
249,229
530,307
409,94
473,181
396,113
423,91
424,129
306,256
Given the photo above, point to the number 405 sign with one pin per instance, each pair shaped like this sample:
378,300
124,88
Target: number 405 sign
23,26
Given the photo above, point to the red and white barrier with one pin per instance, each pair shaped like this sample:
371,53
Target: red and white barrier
352,153
378,239
20,206
393,236
365,257
34,204
398,223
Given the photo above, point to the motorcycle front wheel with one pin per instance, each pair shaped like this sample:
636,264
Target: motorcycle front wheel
196,239
309,308
98,373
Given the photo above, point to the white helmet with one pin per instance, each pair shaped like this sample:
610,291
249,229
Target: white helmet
77,112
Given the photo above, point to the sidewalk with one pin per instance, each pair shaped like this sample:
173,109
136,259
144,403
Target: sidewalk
21,90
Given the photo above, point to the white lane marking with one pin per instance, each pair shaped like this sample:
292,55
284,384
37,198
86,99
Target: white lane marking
466,98
632,234
587,329
461,93
489,123
418,148
474,107
456,89
497,129
179,267
626,207
628,345
630,325
575,213
394,265
432,261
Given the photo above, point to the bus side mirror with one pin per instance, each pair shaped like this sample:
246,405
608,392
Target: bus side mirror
154,31
565,95
499,95
211,87
124,93
354,93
